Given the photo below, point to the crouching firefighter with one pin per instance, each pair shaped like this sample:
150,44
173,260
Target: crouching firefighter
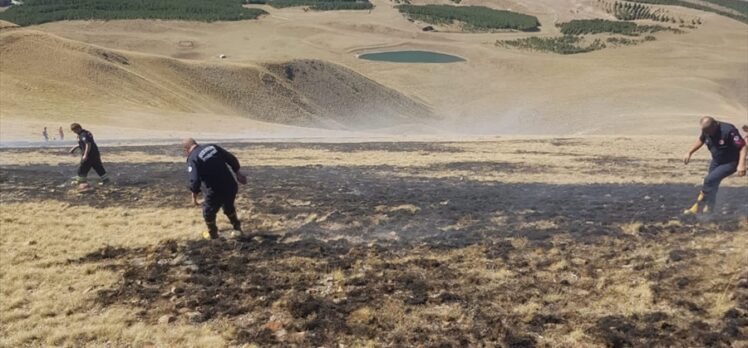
728,150
218,171
90,156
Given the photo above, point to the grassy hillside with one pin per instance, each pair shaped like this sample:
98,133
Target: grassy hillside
306,93
42,11
472,17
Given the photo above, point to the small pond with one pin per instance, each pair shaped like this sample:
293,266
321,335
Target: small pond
411,57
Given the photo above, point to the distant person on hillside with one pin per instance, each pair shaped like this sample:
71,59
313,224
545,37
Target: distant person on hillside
62,134
90,156
45,134
218,170
728,150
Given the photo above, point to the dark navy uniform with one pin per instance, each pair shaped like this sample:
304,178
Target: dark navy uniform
93,160
213,167
725,146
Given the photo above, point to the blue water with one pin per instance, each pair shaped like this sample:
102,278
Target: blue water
411,57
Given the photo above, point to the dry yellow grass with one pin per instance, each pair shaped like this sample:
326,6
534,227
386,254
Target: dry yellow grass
515,279
46,300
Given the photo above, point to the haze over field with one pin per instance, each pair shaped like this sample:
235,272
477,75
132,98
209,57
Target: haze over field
516,179
296,73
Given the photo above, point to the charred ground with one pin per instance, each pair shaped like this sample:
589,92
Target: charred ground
438,253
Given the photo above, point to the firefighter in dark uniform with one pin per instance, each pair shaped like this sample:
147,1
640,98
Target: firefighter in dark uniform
218,171
728,150
90,156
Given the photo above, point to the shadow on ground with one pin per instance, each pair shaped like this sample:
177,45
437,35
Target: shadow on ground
389,202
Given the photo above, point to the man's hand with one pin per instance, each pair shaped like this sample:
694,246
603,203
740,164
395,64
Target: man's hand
695,147
84,158
241,178
194,199
741,170
72,149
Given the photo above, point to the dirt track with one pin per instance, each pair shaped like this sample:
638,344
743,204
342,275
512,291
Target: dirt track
387,255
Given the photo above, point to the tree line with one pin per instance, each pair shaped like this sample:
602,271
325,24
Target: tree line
322,5
471,17
597,26
566,44
573,39
42,11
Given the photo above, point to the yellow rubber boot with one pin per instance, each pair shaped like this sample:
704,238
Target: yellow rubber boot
208,235
694,209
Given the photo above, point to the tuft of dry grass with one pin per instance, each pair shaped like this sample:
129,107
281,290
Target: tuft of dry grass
632,228
361,316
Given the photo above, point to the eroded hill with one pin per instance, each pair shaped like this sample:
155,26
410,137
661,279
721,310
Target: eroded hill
44,75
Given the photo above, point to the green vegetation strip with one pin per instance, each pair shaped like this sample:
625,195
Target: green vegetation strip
319,5
596,26
566,44
573,41
737,5
477,18
42,11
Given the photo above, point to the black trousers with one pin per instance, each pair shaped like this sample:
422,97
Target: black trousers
215,201
91,162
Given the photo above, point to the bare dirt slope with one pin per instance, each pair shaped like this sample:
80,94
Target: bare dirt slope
45,76
6,25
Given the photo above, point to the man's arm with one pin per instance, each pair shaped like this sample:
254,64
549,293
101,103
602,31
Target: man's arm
86,151
72,149
194,180
740,142
695,147
741,160
232,161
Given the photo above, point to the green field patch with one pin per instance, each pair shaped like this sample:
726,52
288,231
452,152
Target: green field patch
598,26
567,44
473,18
